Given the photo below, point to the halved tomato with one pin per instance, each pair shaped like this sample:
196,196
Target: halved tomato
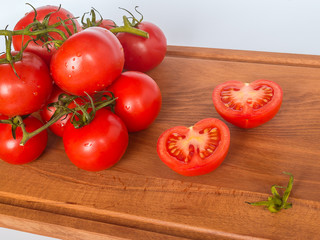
196,150
247,105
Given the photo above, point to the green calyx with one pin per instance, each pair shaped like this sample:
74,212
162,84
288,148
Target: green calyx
92,21
276,202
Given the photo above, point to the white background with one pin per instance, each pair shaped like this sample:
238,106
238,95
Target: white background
287,26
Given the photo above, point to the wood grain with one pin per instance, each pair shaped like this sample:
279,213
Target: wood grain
140,198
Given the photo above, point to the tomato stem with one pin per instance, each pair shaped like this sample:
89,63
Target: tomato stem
61,109
275,202
128,28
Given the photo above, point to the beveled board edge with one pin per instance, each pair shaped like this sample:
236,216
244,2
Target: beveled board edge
287,59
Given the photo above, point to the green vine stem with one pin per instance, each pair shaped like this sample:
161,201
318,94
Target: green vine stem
128,28
85,116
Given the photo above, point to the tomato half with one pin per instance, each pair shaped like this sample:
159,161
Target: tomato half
247,105
37,47
138,100
10,149
143,54
88,61
196,150
27,93
98,145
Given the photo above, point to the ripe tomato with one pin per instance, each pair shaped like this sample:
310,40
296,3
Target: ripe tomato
37,47
143,54
196,150
88,61
46,113
138,99
98,145
27,94
247,105
107,24
10,149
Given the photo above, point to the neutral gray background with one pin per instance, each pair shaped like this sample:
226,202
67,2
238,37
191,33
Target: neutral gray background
287,26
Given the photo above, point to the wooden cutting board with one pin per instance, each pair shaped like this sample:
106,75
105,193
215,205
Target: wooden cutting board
141,198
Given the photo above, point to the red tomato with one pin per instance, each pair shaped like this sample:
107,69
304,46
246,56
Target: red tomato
138,100
98,145
107,24
247,105
143,54
196,150
46,113
10,149
88,61
27,94
37,47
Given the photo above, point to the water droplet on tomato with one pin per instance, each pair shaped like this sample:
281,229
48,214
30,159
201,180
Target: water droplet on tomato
73,59
87,144
66,64
78,54
72,67
35,93
70,76
127,107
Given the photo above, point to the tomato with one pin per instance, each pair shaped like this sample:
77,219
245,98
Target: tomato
138,99
107,24
27,94
196,150
247,105
98,145
37,47
143,54
10,149
46,113
88,61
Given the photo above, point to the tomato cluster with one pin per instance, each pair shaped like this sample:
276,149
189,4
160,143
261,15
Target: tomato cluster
85,80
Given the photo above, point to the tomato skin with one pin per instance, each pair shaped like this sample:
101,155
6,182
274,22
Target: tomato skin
88,61
46,113
248,117
138,100
38,47
143,54
107,24
195,139
10,149
29,93
98,145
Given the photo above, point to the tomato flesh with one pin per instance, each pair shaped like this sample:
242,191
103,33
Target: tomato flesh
184,146
247,105
195,150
